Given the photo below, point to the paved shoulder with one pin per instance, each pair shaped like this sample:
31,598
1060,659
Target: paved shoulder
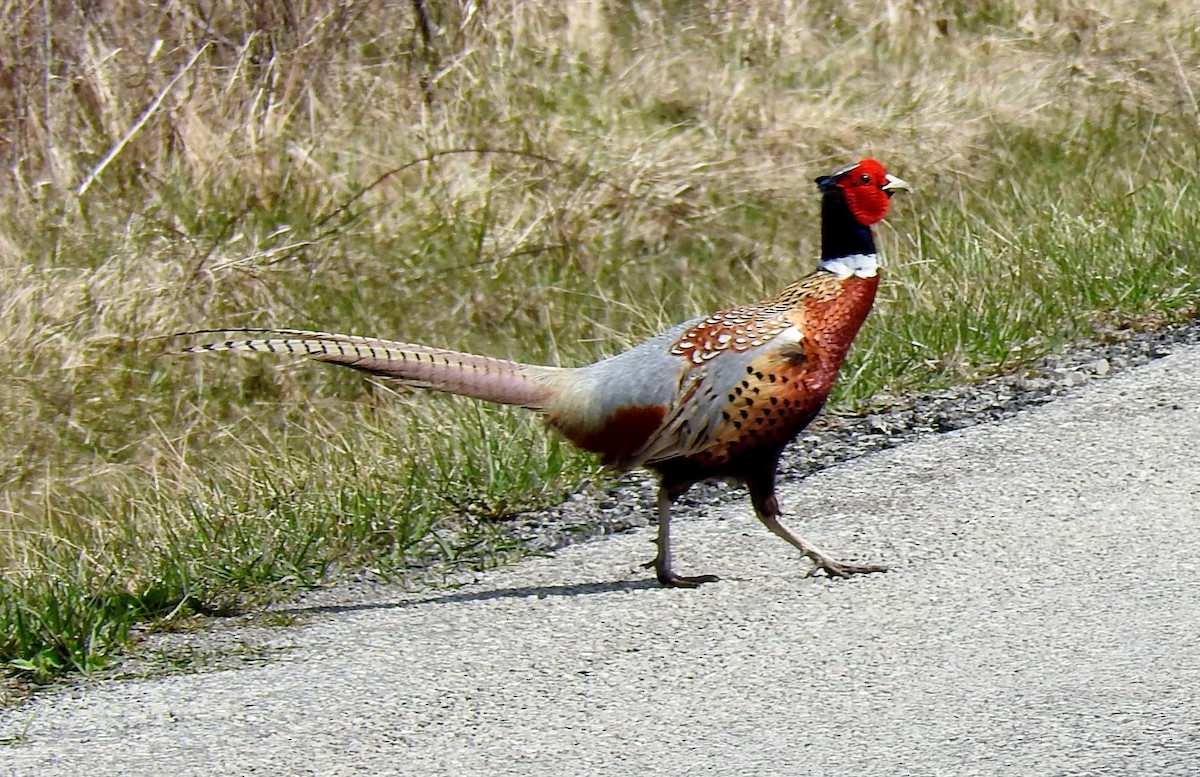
1040,618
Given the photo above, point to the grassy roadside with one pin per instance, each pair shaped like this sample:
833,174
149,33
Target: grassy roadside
549,184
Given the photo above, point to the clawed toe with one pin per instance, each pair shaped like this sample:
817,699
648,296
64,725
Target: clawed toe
844,568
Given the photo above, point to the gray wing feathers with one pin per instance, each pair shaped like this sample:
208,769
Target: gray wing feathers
698,412
694,418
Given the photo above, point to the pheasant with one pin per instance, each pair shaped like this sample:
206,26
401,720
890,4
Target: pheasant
716,397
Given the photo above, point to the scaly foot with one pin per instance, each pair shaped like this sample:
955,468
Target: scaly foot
672,580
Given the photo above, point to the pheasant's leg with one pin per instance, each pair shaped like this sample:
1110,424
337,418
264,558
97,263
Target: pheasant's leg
766,506
662,561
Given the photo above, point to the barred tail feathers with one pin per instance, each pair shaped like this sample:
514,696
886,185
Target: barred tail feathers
438,369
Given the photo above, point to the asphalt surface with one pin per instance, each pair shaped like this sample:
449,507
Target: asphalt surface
1042,617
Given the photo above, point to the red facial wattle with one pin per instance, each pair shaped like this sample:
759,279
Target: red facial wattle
865,195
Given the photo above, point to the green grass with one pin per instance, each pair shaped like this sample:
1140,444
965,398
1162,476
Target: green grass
543,182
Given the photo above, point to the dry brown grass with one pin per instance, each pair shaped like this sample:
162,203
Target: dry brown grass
548,181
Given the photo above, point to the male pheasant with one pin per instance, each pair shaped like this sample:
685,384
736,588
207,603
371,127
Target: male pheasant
712,398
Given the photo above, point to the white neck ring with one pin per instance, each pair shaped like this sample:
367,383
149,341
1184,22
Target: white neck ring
861,265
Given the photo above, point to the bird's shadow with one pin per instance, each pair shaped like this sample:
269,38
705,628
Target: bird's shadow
461,597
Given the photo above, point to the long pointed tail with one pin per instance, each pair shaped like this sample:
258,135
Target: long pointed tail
439,369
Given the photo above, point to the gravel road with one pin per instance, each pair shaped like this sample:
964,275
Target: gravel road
1041,618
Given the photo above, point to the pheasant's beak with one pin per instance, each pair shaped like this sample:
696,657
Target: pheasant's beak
895,184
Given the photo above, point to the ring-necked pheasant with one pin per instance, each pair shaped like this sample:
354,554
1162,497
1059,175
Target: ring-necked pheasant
713,398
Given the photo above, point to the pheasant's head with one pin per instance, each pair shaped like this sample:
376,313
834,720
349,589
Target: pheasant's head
867,188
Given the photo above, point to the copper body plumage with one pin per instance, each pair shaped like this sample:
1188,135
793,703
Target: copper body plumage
716,397
784,388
